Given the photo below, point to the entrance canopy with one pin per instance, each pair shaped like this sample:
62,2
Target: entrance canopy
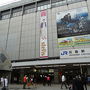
52,62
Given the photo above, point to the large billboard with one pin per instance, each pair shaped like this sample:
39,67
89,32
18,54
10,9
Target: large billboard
74,41
43,35
73,22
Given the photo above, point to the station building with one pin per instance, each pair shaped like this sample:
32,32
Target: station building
46,37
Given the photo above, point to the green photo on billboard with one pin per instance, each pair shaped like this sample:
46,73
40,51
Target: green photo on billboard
74,41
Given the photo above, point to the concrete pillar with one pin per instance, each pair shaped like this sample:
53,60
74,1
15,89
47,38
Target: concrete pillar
21,75
88,70
56,76
9,77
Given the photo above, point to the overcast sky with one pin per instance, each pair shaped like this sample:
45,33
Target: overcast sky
4,2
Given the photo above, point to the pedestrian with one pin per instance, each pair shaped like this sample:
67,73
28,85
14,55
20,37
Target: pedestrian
48,80
80,83
31,80
63,78
34,81
74,84
2,81
5,84
77,83
44,80
24,81
84,80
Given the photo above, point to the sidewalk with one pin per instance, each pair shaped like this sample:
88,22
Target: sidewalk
39,87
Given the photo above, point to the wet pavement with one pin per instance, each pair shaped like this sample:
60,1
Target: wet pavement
38,87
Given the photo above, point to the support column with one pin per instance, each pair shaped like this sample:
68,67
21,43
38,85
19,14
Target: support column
9,77
56,76
81,69
21,75
88,70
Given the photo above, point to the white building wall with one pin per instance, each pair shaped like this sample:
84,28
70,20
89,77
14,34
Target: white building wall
3,33
14,38
23,40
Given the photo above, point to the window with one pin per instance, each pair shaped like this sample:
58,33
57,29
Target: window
5,14
43,5
29,8
17,12
74,0
58,3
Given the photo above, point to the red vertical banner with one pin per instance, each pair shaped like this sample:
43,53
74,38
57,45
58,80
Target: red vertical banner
43,35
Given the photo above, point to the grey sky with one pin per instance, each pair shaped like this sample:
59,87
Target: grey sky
4,2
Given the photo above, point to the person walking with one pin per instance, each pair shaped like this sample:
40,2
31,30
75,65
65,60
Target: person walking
84,81
24,82
77,83
48,80
2,81
63,78
5,83
74,84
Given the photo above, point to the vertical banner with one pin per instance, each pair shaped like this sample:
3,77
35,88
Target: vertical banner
43,35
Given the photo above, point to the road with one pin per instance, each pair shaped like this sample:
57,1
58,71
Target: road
39,87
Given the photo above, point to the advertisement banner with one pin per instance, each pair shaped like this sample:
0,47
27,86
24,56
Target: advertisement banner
73,22
43,35
74,41
73,53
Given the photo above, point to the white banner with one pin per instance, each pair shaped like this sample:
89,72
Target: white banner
73,53
43,34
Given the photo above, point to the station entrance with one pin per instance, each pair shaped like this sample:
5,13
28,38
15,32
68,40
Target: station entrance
54,72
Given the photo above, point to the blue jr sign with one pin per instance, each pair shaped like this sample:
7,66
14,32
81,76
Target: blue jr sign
64,53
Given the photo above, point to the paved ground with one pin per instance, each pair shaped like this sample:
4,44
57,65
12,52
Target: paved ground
39,87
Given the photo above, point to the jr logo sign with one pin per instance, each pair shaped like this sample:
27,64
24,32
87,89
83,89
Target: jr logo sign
64,53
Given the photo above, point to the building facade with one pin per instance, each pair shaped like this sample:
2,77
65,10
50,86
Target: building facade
46,37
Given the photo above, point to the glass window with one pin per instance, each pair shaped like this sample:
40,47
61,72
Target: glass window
49,5
5,16
29,11
38,8
64,1
70,0
29,8
17,14
58,3
74,0
43,5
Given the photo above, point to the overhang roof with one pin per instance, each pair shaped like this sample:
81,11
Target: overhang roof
16,4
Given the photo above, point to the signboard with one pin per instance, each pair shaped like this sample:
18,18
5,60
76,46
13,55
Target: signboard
73,53
74,41
43,35
73,22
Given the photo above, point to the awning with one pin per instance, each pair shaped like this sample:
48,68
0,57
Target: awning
52,62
